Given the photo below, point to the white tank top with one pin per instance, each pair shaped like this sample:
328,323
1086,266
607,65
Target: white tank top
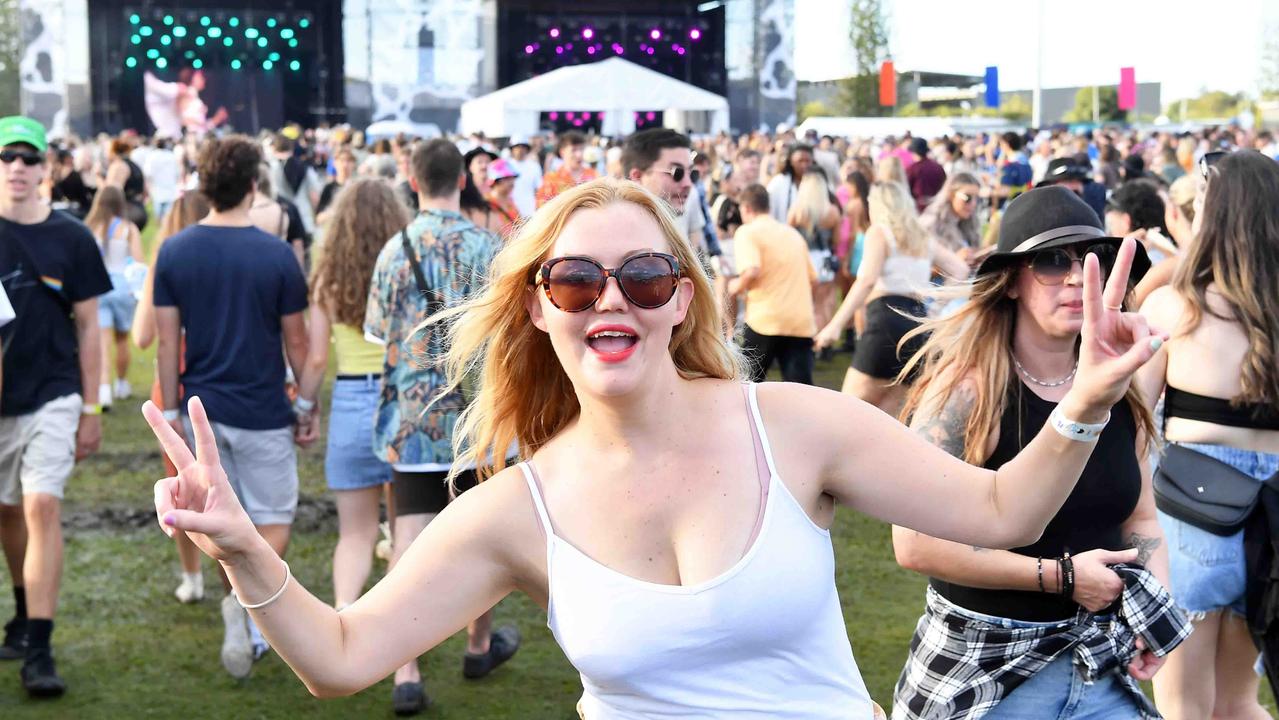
765,639
904,274
115,246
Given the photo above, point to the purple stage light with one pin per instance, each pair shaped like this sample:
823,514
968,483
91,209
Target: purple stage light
569,116
559,49
695,34
528,49
650,51
590,50
618,49
650,116
568,46
555,116
655,34
555,32
588,33
577,123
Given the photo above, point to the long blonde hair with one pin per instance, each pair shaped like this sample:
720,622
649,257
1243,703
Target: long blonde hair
890,169
811,202
523,395
891,205
976,342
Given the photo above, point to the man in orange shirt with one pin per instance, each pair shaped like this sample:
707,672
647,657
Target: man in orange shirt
571,172
777,277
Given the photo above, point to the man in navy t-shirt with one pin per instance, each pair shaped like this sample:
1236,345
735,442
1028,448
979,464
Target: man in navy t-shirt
239,295
52,272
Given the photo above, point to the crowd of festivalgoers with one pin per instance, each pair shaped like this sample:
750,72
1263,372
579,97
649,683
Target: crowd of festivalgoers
951,270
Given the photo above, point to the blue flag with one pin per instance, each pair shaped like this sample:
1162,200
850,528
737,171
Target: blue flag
992,86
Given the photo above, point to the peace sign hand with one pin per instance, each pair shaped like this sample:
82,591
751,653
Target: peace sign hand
199,501
1114,344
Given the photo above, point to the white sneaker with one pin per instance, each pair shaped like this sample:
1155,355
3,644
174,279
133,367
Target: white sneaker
384,549
237,651
260,645
191,590
122,390
104,395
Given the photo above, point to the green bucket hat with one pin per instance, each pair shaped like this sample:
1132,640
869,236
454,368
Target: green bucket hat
19,129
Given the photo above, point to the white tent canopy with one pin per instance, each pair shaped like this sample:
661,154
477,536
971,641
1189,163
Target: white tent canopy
616,87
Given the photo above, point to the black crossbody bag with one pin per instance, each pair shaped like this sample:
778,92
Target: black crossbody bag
434,301
1204,491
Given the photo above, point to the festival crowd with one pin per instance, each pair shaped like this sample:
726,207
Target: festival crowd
1062,390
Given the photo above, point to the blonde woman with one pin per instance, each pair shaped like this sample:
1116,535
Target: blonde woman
687,574
889,169
121,244
815,217
1184,196
366,212
897,264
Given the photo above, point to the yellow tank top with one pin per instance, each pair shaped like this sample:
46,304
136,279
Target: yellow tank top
355,355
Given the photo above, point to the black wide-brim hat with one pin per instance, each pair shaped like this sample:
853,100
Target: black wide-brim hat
1050,217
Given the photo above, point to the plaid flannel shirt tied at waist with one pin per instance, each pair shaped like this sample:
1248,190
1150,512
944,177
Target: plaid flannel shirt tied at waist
961,666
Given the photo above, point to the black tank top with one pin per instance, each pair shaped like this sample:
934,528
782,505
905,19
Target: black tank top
134,185
1102,500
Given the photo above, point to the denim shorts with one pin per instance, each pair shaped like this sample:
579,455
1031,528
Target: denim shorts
1058,691
115,309
1207,571
350,463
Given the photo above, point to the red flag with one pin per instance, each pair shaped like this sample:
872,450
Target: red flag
887,84
1127,88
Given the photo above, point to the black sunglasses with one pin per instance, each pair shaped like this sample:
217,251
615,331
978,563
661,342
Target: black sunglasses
965,197
1051,266
1208,160
677,172
574,283
28,158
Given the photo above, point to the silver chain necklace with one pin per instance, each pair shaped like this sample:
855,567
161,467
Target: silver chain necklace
1041,383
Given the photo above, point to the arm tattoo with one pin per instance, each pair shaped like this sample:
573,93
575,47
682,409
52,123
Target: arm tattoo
946,430
1145,546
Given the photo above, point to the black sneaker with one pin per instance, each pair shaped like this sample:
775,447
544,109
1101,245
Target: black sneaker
15,640
502,645
409,699
39,676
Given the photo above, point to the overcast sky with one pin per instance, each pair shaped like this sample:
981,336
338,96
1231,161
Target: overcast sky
1182,44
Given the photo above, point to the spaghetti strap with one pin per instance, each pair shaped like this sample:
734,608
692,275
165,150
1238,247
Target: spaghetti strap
535,489
763,466
757,431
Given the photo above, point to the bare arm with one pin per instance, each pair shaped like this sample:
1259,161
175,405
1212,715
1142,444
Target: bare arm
89,344
951,265
296,341
317,355
168,324
744,281
868,273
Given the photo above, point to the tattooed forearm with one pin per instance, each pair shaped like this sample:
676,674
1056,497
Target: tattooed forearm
1144,545
946,429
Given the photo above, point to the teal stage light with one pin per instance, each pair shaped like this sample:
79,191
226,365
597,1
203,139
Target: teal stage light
188,54
233,22
134,19
153,53
250,33
162,63
131,62
267,65
165,40
293,42
205,21
215,32
227,41
274,57
146,31
235,64
286,33
294,65
136,39
197,63
270,22
179,32
200,41
304,23
168,19
262,42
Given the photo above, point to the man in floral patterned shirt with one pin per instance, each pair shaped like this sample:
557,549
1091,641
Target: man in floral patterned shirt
453,257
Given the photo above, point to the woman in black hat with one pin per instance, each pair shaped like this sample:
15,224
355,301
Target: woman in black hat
1003,628
474,198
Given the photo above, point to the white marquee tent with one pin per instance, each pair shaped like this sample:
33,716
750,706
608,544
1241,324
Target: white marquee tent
616,87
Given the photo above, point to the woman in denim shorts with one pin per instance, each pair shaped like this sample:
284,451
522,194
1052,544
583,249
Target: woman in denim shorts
365,214
1220,376
120,244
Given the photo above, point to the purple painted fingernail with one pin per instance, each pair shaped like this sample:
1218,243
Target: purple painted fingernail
168,520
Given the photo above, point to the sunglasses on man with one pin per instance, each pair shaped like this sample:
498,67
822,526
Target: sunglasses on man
27,157
1051,266
677,172
575,283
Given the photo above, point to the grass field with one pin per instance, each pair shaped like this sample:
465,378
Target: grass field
128,650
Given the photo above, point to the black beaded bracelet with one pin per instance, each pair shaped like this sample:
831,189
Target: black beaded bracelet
1067,576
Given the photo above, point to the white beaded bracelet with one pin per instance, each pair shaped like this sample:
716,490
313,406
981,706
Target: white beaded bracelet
1072,430
287,575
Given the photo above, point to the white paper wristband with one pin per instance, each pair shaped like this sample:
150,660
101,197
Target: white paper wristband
1072,430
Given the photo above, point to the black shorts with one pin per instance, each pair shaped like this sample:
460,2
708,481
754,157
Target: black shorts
876,353
417,493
